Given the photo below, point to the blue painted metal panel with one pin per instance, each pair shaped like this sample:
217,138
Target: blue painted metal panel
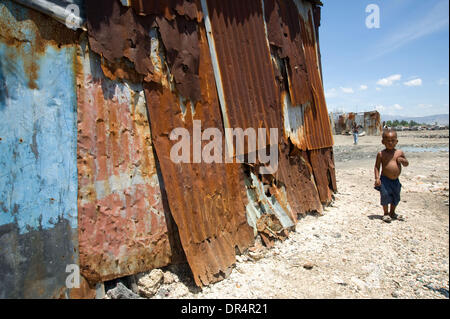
38,181
38,169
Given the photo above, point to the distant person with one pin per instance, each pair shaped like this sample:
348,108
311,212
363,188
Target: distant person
387,183
355,133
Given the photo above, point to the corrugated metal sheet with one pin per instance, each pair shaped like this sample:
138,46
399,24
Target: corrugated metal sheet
122,220
168,9
130,45
261,203
38,172
291,31
372,123
251,96
317,125
322,162
207,201
247,76
284,34
296,174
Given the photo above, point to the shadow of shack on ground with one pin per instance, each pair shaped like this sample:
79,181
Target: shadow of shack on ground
99,108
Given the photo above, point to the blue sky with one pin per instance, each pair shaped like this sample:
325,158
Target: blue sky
400,68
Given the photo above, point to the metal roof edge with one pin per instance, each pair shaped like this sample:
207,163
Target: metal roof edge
316,2
68,12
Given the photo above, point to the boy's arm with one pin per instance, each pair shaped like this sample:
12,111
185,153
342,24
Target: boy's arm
402,159
377,170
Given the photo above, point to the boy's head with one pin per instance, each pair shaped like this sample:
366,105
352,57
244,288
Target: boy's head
389,139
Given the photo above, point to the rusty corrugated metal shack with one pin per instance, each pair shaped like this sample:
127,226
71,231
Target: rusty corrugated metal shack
89,94
369,122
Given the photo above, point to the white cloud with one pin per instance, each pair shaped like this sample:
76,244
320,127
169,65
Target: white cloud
380,108
389,80
331,93
425,106
415,82
347,90
443,81
378,89
390,110
363,87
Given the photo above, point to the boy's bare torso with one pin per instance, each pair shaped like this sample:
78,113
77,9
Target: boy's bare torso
390,167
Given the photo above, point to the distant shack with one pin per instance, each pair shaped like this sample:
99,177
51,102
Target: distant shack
368,122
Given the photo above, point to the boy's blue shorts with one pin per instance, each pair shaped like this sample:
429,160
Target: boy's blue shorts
389,190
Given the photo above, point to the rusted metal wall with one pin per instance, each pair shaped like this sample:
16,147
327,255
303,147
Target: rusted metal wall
244,63
370,122
122,220
121,223
209,203
251,97
292,34
317,126
38,172
144,68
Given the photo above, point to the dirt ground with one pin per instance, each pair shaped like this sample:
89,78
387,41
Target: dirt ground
349,252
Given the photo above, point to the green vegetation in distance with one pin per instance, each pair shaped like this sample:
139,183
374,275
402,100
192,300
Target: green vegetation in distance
396,123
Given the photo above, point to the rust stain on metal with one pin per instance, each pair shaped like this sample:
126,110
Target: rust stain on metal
245,65
317,125
283,31
177,23
207,200
44,31
122,69
270,229
252,97
180,40
117,32
296,173
322,162
297,63
372,123
168,9
122,220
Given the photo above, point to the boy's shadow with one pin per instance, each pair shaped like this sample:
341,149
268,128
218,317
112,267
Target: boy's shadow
373,217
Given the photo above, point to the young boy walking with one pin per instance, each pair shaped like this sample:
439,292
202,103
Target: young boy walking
391,161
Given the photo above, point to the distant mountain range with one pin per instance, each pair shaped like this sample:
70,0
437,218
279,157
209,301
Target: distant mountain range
440,119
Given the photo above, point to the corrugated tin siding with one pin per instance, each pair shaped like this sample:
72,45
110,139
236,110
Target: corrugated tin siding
122,220
292,35
252,98
372,123
38,171
207,200
245,67
317,126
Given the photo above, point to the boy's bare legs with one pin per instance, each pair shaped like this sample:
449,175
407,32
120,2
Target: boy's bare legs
386,218
392,211
393,215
